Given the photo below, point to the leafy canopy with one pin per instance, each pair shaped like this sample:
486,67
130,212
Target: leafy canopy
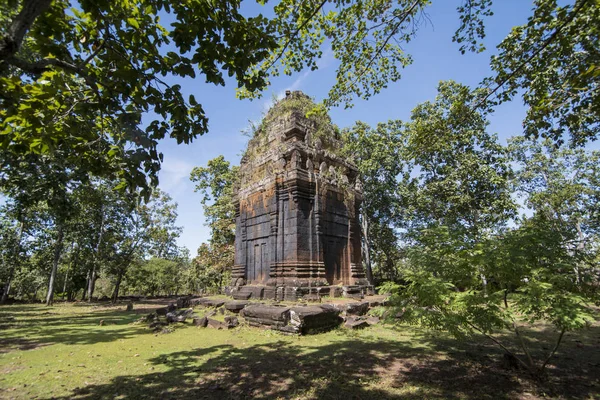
76,78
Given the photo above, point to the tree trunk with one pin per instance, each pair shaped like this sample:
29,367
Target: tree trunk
484,283
67,274
93,274
580,247
64,291
91,283
366,251
12,265
115,295
57,251
87,282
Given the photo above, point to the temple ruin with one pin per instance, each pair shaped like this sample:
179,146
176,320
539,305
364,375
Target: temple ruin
297,227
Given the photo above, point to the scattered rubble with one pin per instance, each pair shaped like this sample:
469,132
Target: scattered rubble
180,315
293,319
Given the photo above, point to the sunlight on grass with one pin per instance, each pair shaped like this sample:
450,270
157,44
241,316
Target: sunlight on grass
65,352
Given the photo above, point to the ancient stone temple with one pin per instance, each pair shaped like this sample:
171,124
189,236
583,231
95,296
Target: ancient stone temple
297,227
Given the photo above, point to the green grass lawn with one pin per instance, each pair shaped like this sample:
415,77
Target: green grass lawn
64,352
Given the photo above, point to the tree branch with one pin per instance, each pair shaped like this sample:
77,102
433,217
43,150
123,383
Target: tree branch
562,332
408,13
296,32
10,44
493,339
535,53
522,343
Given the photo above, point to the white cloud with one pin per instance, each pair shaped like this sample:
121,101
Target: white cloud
298,82
174,175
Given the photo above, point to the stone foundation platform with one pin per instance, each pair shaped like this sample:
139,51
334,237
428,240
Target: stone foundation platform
288,318
295,293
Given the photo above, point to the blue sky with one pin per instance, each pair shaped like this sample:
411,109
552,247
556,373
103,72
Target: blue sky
436,58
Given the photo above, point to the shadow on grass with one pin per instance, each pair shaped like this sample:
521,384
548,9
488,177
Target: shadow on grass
352,367
30,327
349,369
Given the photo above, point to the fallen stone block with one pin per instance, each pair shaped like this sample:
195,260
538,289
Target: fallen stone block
355,296
206,302
213,323
236,306
239,295
214,303
265,312
198,301
179,316
200,322
261,315
269,293
231,322
356,323
357,308
314,318
290,329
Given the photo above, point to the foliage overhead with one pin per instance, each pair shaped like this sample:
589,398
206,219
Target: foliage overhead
77,77
553,61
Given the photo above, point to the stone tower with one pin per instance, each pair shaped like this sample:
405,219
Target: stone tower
297,227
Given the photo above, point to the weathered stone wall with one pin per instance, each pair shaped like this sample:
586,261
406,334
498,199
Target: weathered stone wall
297,222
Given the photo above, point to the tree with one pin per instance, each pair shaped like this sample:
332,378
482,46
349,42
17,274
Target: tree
468,270
563,186
463,171
366,37
157,276
560,183
554,62
89,227
11,248
383,173
96,67
141,230
217,182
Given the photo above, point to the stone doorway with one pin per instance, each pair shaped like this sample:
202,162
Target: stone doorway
333,254
258,265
